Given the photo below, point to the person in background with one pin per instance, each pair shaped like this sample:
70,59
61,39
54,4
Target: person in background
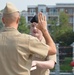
41,67
17,49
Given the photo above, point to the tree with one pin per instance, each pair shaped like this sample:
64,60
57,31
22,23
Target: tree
63,17
63,32
1,25
23,26
66,38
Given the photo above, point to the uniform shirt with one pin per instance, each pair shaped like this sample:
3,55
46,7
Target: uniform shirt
16,50
40,71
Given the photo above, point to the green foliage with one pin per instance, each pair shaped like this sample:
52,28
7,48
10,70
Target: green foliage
66,38
62,33
65,67
23,27
1,25
63,19
52,21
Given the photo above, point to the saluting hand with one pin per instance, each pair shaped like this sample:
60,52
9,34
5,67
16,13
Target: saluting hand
42,23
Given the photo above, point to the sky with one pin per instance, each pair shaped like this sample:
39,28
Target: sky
23,4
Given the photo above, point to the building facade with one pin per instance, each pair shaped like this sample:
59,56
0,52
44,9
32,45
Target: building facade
51,11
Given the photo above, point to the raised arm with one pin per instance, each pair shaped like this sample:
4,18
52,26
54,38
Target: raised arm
42,25
50,62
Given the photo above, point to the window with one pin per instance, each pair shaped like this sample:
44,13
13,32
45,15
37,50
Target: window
42,10
69,11
53,11
61,9
71,20
32,11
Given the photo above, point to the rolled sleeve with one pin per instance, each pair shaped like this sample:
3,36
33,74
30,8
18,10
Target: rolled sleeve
52,57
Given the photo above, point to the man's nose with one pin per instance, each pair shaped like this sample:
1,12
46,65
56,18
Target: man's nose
34,27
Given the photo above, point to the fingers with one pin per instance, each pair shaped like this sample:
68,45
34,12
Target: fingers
41,17
33,63
44,18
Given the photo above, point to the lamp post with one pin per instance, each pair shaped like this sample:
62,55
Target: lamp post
57,66
73,55
72,63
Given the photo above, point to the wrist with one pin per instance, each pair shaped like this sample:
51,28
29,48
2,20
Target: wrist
45,31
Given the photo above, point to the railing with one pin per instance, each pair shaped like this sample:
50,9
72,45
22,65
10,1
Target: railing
31,13
53,13
46,13
65,55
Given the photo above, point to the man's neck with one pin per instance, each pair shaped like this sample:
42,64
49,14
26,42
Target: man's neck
11,26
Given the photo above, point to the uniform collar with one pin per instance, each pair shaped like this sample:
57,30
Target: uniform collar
8,29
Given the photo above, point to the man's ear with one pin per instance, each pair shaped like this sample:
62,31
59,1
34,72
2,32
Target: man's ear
18,19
